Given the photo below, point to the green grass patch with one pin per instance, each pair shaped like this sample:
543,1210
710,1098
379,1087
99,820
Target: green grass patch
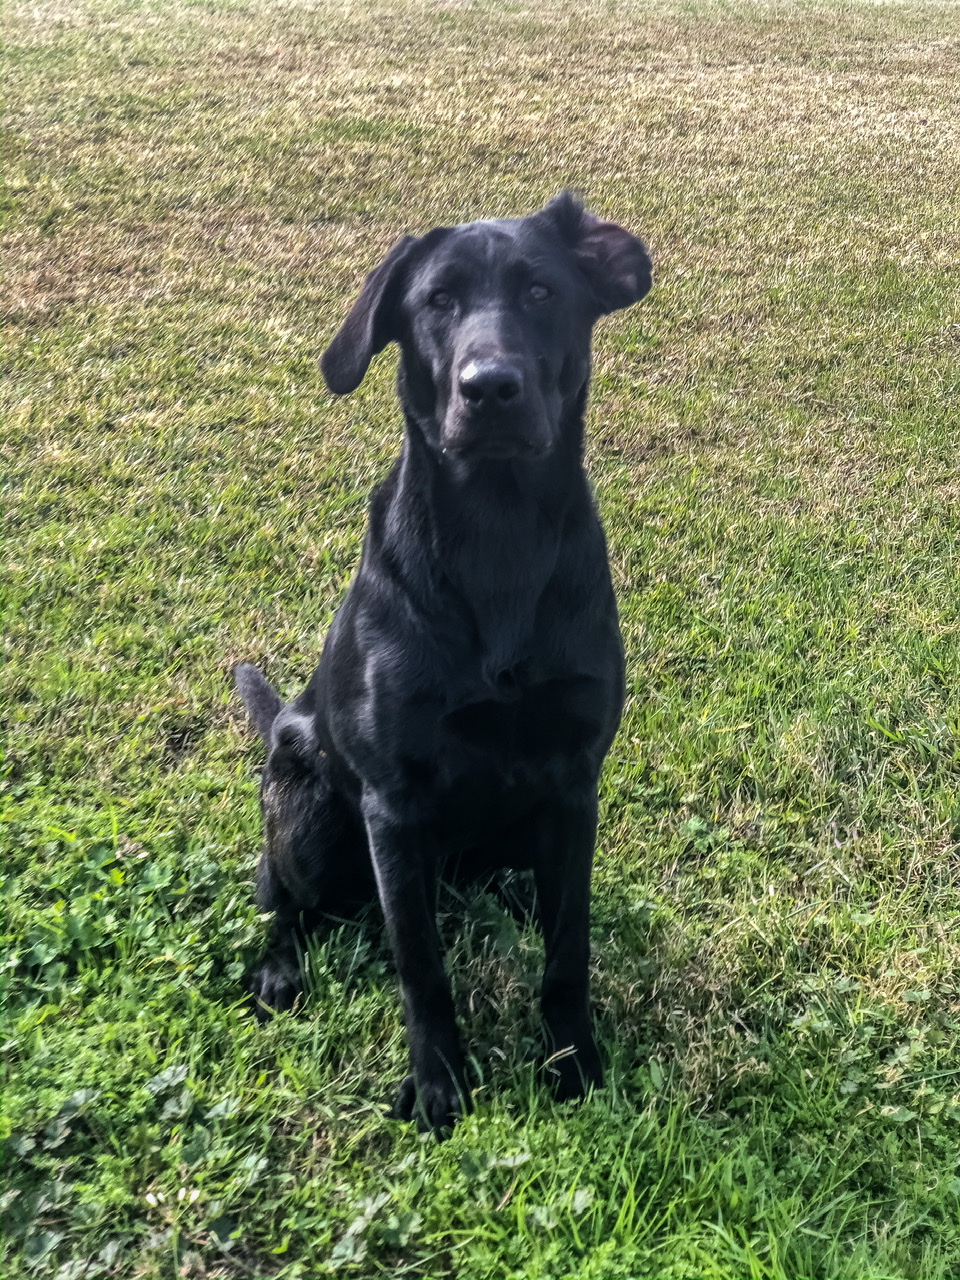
193,193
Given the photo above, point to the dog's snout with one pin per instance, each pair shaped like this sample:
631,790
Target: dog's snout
490,384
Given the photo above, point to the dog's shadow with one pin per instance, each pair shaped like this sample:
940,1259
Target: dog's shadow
494,952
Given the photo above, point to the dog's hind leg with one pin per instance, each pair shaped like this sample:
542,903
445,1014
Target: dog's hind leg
315,861
277,980
315,865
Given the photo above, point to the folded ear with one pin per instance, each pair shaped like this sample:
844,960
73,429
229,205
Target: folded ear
258,696
370,325
614,261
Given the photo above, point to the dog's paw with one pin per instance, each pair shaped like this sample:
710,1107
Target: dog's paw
435,1104
574,1072
275,987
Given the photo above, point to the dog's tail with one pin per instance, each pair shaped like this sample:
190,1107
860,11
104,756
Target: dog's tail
289,735
258,696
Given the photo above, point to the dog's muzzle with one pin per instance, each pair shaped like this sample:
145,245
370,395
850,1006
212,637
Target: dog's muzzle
491,415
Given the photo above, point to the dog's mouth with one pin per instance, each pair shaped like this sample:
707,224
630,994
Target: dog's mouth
511,438
494,449
497,451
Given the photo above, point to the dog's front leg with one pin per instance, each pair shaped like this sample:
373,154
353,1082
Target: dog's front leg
404,860
565,836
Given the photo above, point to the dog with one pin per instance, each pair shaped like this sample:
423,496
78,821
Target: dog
473,678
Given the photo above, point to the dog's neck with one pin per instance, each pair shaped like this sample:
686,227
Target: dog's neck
492,530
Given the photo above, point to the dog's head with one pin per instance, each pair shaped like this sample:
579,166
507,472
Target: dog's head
493,320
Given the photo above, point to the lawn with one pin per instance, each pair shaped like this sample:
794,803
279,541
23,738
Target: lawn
194,190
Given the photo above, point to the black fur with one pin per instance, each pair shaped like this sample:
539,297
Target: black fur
472,679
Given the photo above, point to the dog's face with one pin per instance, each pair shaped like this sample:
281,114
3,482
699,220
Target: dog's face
493,320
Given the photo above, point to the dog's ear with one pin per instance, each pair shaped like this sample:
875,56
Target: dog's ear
615,262
259,697
370,325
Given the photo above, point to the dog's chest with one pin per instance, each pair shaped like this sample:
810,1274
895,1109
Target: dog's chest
522,724
500,576
502,754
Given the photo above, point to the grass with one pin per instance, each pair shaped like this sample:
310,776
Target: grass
193,191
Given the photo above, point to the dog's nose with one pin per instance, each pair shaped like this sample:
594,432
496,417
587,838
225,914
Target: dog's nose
490,384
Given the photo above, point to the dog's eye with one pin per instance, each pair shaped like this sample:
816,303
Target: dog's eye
440,300
540,292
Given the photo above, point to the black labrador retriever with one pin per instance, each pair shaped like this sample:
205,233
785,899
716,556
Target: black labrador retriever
473,677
